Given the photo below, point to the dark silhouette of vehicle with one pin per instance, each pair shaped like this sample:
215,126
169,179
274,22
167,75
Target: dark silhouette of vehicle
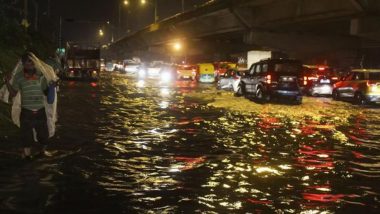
273,78
82,64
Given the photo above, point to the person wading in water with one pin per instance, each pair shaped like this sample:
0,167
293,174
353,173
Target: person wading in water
33,88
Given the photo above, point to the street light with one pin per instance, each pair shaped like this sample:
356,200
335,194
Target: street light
125,3
177,46
144,2
101,33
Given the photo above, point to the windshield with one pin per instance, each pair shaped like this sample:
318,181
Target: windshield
287,67
93,63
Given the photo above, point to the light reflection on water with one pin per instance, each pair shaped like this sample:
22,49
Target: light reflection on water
154,151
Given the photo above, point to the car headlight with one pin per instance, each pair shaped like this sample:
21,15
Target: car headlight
142,73
166,77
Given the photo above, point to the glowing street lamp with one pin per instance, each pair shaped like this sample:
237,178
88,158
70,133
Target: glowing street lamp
177,46
143,2
101,33
126,2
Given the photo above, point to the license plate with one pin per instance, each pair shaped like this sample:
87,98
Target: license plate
325,81
186,77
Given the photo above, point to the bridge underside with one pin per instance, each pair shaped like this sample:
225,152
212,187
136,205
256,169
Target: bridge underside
300,28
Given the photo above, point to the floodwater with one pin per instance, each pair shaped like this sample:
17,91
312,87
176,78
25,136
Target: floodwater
128,146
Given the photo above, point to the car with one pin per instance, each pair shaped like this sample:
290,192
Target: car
168,75
237,80
227,80
206,73
318,80
154,69
109,67
322,86
131,66
222,67
186,72
361,86
272,78
119,67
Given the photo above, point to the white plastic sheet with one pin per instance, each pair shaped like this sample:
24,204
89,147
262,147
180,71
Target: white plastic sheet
51,109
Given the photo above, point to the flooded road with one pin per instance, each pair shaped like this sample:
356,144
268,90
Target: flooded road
128,146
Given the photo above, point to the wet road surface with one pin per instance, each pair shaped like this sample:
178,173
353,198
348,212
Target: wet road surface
127,146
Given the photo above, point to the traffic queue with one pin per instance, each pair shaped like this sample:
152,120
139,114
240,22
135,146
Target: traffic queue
269,79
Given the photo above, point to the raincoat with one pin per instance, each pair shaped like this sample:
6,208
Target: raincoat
50,109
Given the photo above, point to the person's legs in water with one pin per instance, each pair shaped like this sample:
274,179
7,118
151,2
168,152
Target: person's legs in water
26,129
40,125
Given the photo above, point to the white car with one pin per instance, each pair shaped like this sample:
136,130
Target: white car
154,69
132,68
236,81
227,80
109,67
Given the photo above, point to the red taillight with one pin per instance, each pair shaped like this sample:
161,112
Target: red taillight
370,84
334,78
321,68
305,80
268,79
312,78
71,71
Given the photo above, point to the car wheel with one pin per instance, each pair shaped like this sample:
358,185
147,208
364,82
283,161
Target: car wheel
298,100
240,91
336,95
262,96
313,94
360,99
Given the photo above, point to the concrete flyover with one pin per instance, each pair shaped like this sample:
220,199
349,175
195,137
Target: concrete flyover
301,28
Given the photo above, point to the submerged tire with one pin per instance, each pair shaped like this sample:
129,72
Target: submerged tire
261,96
335,95
360,99
240,91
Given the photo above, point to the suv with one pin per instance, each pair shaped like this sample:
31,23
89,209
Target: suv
273,78
361,85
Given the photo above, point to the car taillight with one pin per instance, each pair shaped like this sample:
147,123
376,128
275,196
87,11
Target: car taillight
236,77
71,71
312,78
334,78
268,79
305,80
370,84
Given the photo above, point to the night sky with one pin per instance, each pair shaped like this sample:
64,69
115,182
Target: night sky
91,15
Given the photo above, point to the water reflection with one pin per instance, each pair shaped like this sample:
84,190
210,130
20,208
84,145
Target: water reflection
147,149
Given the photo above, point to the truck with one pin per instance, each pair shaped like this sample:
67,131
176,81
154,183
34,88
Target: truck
82,64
